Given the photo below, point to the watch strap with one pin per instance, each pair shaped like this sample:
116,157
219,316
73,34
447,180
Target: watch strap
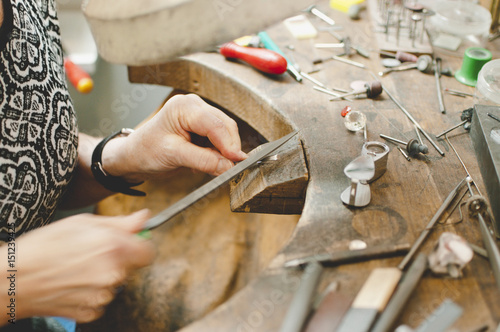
113,183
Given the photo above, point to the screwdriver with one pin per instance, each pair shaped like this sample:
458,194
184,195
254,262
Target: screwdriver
265,60
268,43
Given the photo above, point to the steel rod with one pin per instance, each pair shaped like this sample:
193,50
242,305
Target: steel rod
423,235
401,107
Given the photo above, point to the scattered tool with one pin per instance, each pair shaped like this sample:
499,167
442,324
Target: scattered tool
371,89
370,300
222,179
265,60
78,77
458,93
401,56
406,286
360,50
441,319
271,45
352,256
319,14
423,235
427,136
423,64
466,118
329,92
301,304
404,153
437,75
413,146
477,209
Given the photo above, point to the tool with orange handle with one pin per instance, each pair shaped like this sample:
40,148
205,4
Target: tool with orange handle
262,59
79,78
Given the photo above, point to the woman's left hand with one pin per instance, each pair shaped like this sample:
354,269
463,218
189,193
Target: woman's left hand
164,143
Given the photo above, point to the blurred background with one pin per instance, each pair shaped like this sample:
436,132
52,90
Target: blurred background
114,103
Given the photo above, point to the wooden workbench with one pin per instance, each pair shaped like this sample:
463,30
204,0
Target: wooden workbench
223,271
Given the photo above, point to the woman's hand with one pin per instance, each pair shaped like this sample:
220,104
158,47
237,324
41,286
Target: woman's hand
164,143
73,267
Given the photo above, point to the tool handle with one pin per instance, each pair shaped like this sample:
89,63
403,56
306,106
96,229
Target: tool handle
79,78
262,59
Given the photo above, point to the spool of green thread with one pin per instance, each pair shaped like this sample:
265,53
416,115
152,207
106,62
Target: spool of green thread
474,59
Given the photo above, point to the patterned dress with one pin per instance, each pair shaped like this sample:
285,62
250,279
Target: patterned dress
38,131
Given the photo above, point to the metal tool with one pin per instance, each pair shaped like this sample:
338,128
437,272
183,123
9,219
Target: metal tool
403,153
466,118
370,300
411,118
423,64
489,241
265,60
493,116
352,256
371,89
360,50
423,235
312,79
271,45
329,92
437,75
406,286
413,146
190,199
301,304
458,93
319,14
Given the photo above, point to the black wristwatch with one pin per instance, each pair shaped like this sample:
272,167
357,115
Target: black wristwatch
113,183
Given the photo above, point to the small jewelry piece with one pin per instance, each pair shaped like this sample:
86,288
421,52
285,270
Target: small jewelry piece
110,182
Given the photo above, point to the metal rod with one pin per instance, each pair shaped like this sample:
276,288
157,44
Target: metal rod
312,79
418,135
403,153
406,286
458,93
493,117
452,128
437,75
322,16
430,225
393,139
399,68
350,62
411,118
328,92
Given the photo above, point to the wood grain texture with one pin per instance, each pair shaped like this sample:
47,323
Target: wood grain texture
276,185
403,199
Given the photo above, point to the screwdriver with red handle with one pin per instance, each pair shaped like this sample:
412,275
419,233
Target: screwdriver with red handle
261,59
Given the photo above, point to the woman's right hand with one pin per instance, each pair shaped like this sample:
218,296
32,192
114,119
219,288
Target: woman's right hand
73,267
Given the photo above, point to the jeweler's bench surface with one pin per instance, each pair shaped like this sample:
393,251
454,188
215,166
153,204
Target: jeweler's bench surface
403,200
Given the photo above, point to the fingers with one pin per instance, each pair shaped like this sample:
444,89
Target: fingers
205,160
197,116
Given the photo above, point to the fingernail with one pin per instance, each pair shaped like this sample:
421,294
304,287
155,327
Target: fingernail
223,165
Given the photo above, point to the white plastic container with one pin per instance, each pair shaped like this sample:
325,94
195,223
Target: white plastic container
459,24
488,84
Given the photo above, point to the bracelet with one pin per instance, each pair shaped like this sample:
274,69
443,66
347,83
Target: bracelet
113,183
